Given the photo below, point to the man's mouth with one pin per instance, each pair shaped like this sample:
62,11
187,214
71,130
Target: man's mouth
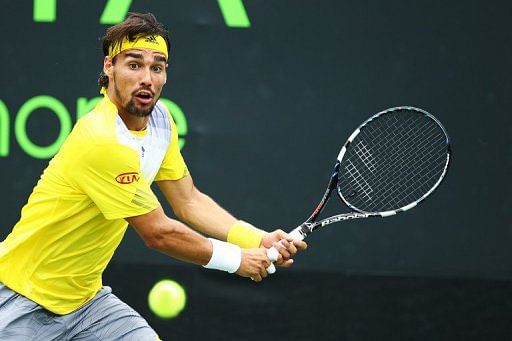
144,96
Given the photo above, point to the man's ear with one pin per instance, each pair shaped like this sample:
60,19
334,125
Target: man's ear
108,66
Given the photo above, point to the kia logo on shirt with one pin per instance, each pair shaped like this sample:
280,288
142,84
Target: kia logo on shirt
127,178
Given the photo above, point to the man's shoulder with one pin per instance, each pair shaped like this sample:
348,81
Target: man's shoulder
97,125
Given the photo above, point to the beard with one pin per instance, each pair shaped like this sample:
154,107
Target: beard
133,110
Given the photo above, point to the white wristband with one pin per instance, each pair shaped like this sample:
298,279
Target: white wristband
225,256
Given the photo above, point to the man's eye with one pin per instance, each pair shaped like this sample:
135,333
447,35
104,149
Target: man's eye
133,66
157,68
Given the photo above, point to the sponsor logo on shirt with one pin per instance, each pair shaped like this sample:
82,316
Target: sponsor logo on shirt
127,178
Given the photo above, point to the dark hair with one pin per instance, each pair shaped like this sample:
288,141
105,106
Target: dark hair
134,25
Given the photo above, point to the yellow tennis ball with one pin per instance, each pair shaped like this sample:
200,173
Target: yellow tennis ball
167,299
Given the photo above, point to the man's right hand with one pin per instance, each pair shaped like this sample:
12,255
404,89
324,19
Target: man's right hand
254,264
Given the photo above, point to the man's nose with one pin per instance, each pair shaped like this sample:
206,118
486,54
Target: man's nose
146,77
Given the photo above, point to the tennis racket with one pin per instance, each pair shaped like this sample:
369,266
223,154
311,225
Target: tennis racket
390,163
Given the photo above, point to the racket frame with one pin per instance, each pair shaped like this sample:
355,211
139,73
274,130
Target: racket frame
307,227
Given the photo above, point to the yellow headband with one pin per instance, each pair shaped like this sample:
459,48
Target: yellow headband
152,42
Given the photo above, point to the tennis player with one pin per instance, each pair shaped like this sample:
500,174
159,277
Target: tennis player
51,264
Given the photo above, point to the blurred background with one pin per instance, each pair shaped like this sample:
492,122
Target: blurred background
264,94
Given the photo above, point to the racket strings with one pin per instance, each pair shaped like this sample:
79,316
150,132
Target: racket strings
401,186
356,177
408,153
396,159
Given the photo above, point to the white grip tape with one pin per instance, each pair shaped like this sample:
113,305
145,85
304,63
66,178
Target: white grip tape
296,235
271,269
272,253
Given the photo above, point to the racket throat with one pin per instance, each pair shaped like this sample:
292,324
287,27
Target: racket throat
303,230
333,184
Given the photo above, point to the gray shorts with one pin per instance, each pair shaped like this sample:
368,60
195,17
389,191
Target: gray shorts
105,317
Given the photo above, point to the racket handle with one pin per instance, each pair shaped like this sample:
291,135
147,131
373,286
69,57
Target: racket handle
272,253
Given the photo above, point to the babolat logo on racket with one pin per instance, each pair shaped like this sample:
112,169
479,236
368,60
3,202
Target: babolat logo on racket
127,178
346,216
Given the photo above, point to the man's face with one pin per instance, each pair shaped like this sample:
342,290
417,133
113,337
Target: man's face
138,77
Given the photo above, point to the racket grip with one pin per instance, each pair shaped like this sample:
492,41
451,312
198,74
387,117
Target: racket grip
272,253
